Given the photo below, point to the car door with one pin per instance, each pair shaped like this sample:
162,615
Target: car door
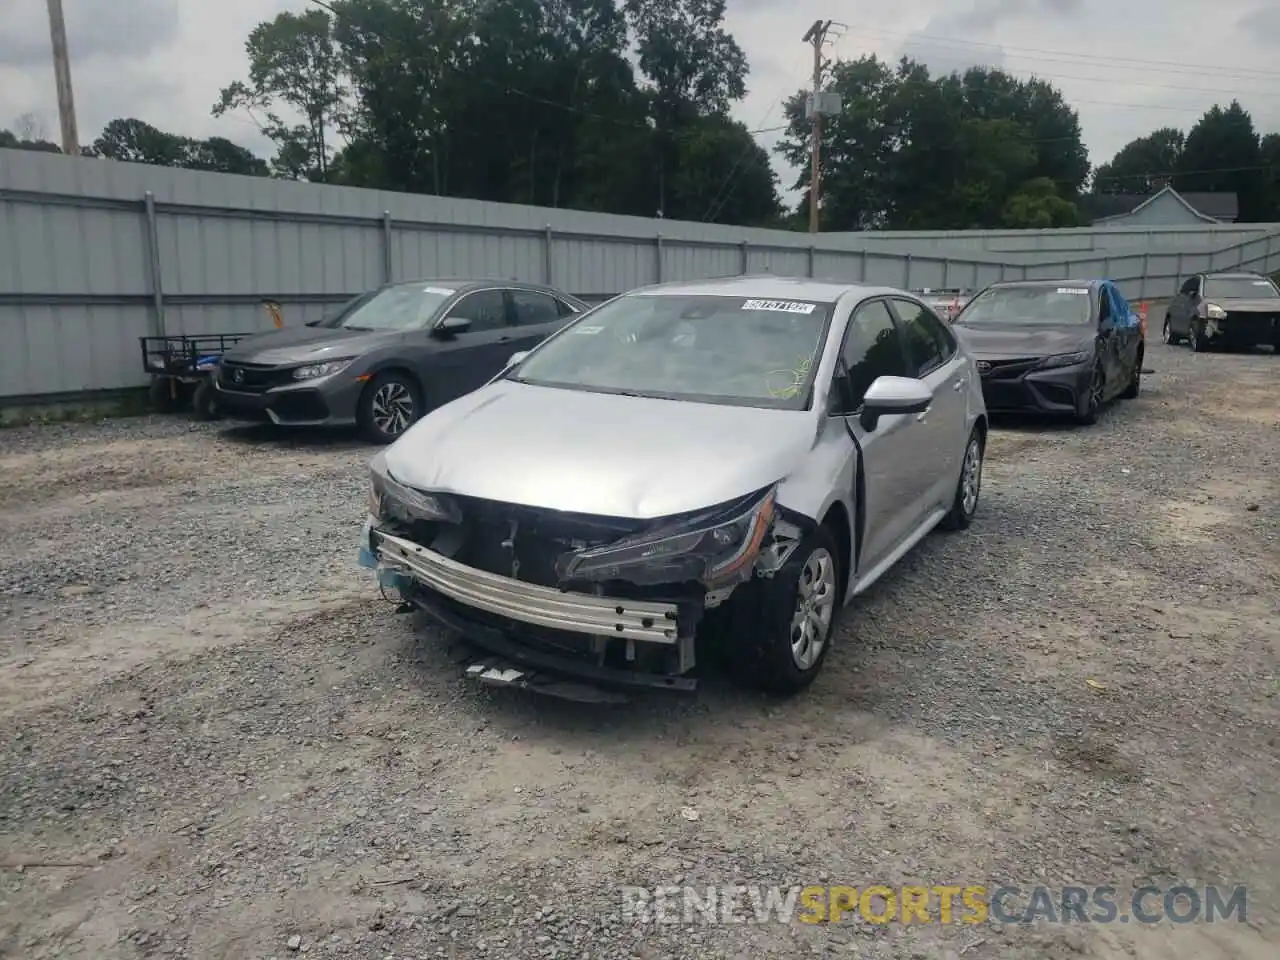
934,357
892,464
467,359
536,315
1108,343
1125,334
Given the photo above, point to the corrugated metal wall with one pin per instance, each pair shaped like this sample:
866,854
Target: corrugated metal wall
94,254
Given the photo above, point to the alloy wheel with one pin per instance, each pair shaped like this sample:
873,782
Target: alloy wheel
971,477
392,408
815,608
1167,334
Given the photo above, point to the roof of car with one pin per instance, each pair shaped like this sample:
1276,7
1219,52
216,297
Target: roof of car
767,286
1053,282
1233,275
461,284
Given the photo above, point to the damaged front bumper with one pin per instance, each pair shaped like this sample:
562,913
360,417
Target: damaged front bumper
618,631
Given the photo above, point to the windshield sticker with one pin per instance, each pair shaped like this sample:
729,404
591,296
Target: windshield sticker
439,291
586,331
1074,290
780,306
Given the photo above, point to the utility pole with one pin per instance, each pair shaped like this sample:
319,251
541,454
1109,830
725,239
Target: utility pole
62,74
817,36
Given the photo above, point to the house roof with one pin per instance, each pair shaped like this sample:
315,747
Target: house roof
1212,207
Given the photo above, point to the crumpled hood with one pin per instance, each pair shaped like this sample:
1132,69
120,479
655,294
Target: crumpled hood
306,344
1017,342
1269,305
600,454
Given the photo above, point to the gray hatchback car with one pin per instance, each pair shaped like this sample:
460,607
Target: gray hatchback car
390,355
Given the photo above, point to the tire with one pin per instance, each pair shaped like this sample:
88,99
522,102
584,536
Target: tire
204,402
1196,339
1167,334
389,406
762,620
1093,400
1135,384
164,395
965,503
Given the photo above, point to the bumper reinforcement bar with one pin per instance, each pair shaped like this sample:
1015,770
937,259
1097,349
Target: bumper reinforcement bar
530,602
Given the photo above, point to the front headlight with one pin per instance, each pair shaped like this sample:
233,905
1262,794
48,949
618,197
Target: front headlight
389,499
711,546
314,371
1214,312
1064,360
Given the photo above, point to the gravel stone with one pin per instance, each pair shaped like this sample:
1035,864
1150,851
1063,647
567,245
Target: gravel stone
217,739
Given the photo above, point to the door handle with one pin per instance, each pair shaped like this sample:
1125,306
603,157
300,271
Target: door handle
959,384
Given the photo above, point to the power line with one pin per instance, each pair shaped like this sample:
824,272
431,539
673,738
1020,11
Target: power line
1083,59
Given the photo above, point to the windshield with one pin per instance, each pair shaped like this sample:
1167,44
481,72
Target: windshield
1240,288
402,307
1029,306
711,349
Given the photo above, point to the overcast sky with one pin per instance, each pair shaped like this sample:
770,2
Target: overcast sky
1128,66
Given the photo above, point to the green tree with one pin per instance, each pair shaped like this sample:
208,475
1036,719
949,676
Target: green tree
11,141
693,68
293,61
1269,157
1134,166
135,141
1222,153
722,170
1038,205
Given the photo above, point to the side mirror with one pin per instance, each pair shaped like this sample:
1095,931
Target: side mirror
451,325
888,395
516,358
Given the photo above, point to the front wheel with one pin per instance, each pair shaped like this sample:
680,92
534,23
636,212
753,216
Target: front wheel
968,487
1135,383
1167,333
782,626
1088,414
389,406
1197,340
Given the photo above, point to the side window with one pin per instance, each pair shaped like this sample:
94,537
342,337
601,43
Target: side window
486,309
1191,286
1104,307
929,342
533,308
872,349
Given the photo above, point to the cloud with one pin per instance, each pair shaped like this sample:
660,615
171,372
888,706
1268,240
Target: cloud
1262,26
96,30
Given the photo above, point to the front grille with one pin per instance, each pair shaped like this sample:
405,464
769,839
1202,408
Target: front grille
251,377
541,536
1006,369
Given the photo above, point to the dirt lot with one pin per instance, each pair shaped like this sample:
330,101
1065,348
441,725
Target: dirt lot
217,740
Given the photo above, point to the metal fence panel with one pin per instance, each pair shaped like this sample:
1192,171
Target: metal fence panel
94,254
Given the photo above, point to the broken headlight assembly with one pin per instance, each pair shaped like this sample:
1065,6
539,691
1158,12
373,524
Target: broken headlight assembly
712,546
1063,360
1215,312
389,499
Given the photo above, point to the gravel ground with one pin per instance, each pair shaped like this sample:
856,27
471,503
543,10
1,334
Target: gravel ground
217,740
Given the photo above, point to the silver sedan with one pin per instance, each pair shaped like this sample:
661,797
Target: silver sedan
732,460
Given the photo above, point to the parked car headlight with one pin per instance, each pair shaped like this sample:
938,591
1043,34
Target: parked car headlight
389,499
1215,312
1064,360
712,546
314,371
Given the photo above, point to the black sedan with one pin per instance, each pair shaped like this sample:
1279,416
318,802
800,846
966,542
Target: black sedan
388,356
1063,347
